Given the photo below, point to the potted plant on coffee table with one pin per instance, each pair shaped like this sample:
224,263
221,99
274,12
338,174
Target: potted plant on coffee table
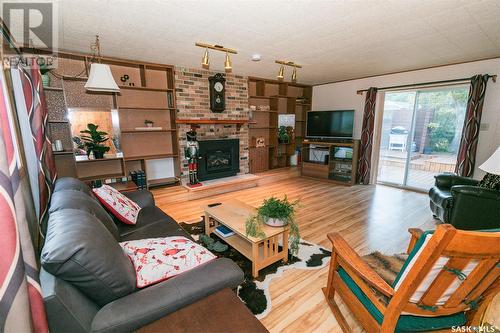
275,213
94,141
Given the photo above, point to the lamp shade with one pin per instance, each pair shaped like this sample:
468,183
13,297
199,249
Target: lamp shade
492,164
101,79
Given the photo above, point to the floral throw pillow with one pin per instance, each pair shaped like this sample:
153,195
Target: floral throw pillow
490,181
119,205
158,259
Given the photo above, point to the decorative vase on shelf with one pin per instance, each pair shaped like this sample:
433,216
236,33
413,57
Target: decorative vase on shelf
45,80
274,222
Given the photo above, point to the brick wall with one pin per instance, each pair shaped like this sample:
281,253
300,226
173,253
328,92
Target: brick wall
193,101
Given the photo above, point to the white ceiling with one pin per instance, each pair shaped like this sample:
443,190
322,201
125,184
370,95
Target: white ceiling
333,40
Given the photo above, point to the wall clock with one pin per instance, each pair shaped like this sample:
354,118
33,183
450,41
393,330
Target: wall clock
217,92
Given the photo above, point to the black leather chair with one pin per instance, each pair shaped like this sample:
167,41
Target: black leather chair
460,202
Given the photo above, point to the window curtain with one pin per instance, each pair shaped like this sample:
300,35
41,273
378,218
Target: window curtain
33,121
21,303
366,145
466,158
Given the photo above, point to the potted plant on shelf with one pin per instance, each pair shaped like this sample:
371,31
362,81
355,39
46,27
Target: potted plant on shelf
44,73
275,213
283,136
94,141
148,123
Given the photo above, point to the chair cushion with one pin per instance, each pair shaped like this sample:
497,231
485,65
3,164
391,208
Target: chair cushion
70,183
117,204
158,259
80,250
441,197
64,199
406,323
439,266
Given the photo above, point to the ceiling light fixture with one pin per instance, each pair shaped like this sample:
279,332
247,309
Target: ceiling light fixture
100,77
282,69
228,66
281,73
256,57
205,62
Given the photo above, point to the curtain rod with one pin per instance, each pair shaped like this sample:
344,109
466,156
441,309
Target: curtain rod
360,92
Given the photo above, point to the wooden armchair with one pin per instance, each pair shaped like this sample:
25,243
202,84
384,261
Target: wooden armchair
449,279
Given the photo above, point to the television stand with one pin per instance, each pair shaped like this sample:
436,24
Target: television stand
328,140
335,161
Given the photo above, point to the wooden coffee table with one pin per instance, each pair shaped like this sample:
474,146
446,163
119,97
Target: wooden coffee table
262,252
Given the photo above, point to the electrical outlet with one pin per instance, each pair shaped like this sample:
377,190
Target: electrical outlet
484,127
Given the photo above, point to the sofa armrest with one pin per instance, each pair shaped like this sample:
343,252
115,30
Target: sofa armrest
447,180
68,310
152,303
143,198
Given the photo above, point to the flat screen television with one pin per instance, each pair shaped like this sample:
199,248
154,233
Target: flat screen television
330,124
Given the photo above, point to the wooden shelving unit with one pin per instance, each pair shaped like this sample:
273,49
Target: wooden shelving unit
147,92
272,98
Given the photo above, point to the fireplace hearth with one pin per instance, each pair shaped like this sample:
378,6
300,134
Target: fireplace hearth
218,158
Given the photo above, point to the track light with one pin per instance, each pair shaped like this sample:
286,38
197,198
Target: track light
284,63
281,73
227,64
205,62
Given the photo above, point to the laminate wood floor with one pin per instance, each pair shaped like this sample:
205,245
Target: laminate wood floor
368,217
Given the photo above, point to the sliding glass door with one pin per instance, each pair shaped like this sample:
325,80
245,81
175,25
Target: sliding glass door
420,135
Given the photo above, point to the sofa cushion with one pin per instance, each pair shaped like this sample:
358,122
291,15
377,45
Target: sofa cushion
161,228
441,197
64,199
147,216
159,259
80,250
70,183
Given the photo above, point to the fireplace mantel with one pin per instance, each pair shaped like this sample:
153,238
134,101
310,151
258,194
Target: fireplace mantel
192,121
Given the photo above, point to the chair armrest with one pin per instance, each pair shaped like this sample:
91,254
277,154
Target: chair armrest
475,191
350,258
415,235
143,198
144,306
447,180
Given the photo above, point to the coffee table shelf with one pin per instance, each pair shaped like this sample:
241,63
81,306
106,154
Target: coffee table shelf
262,252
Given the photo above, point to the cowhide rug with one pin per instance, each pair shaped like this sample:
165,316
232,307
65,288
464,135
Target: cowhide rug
255,292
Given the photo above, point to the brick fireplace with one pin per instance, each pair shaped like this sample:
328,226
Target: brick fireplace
193,100
218,159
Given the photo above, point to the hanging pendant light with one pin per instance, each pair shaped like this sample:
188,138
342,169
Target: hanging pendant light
227,64
100,77
205,62
294,75
281,73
